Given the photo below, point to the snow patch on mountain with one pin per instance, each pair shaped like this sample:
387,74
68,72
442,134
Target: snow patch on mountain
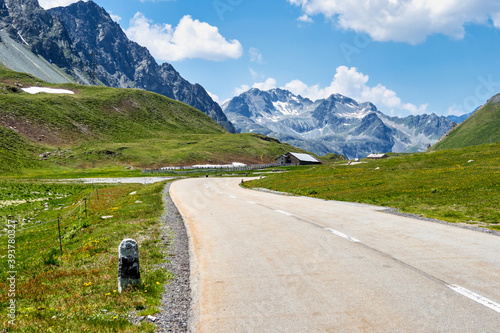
36,90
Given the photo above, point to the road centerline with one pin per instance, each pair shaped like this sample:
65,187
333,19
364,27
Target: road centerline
283,212
476,297
340,234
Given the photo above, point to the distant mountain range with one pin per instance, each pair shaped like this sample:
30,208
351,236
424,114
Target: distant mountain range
82,43
337,124
462,118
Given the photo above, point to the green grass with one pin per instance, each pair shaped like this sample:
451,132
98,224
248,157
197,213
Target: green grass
103,128
16,152
70,173
98,113
11,78
77,291
482,127
186,149
442,184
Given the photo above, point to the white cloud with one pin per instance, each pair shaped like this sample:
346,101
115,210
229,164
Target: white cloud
300,88
47,4
349,82
410,21
214,97
255,55
496,19
254,73
190,39
115,18
268,84
452,111
306,19
241,89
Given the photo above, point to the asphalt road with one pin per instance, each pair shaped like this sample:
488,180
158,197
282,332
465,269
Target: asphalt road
262,262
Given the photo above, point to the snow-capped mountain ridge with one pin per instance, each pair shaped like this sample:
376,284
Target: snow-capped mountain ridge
337,124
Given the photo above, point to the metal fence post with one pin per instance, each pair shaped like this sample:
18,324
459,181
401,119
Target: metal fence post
59,228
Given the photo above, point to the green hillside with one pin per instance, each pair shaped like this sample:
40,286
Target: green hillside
15,151
482,127
99,126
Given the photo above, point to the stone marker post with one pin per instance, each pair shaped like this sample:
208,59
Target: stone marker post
128,267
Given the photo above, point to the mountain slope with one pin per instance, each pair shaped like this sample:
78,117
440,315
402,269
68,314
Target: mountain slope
337,124
82,43
101,125
482,127
20,58
28,23
119,62
16,151
101,113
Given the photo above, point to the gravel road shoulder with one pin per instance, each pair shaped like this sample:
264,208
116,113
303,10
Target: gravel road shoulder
176,300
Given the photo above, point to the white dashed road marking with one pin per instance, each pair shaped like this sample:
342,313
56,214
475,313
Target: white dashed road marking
338,233
475,297
282,212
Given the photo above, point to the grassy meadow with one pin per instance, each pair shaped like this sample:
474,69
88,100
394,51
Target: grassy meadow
459,185
101,127
76,290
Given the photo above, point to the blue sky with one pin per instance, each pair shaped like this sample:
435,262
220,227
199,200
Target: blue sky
405,56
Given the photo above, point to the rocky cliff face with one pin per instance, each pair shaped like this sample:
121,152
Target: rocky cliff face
337,124
83,40
119,62
29,24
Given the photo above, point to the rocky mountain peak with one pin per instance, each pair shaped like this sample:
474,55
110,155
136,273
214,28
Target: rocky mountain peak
111,58
338,99
369,106
27,23
4,11
88,23
336,124
26,6
90,47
